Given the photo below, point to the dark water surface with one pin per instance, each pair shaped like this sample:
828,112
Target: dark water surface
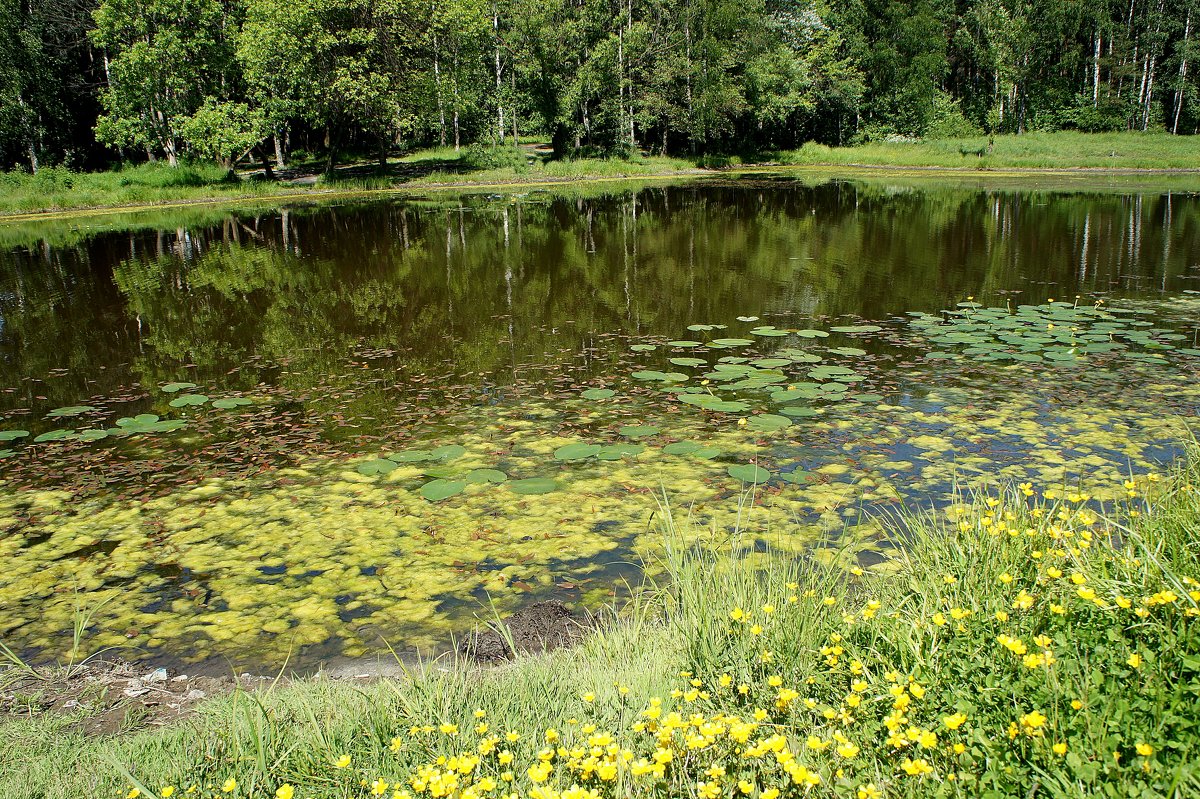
369,329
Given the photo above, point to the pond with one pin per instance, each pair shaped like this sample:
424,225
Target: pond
299,433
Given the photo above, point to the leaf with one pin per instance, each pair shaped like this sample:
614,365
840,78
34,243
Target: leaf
639,431
768,422
376,466
187,400
13,435
683,343
643,348
448,452
175,388
812,334
411,456
141,420
747,318
92,435
598,393
689,361
576,452
226,403
70,410
54,435
615,452
437,490
681,448
479,476
5,453
856,329
749,473
533,485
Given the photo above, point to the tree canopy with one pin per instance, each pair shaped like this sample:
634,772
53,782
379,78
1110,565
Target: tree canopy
88,82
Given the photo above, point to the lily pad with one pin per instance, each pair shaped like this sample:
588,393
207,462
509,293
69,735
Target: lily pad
689,361
684,343
479,476
809,333
5,453
13,435
54,435
141,420
768,422
731,342
681,448
749,473
448,452
576,452
226,403
615,452
747,318
376,466
93,435
70,410
856,329
639,431
175,388
532,485
411,456
707,453
187,400
644,347
768,332
598,393
437,490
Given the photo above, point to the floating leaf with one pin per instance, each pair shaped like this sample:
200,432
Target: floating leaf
5,453
704,328
175,388
856,329
795,477
849,351
689,361
681,448
747,318
768,422
639,431
448,452
731,342
800,411
533,485
92,435
684,343
54,435
411,456
141,420
812,334
226,403
441,471
707,453
598,393
768,331
478,476
376,466
749,473
644,347
615,452
576,452
13,435
187,400
437,490
70,410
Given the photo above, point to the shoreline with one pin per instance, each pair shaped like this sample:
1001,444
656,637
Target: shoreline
302,194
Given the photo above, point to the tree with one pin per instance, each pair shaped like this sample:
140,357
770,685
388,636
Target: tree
164,60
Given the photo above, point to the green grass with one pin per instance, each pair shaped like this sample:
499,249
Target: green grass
151,184
1063,150
747,671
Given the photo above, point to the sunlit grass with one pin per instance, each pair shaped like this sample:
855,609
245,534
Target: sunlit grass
1022,638
1063,150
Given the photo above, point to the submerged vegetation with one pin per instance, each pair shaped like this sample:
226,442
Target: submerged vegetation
1017,638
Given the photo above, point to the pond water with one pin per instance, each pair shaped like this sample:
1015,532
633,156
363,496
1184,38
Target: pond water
302,432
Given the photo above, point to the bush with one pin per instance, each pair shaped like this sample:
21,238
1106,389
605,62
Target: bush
478,156
946,121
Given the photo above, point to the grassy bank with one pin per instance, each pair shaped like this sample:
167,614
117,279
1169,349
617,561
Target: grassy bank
157,184
1019,645
1063,150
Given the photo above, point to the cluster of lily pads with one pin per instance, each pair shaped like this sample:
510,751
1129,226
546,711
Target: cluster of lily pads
449,481
1060,333
140,424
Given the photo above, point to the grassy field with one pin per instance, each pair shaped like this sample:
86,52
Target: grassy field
1019,645
157,184
1063,150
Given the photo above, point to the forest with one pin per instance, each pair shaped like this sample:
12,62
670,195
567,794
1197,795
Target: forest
89,84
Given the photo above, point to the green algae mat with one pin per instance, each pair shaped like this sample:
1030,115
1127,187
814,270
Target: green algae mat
316,432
